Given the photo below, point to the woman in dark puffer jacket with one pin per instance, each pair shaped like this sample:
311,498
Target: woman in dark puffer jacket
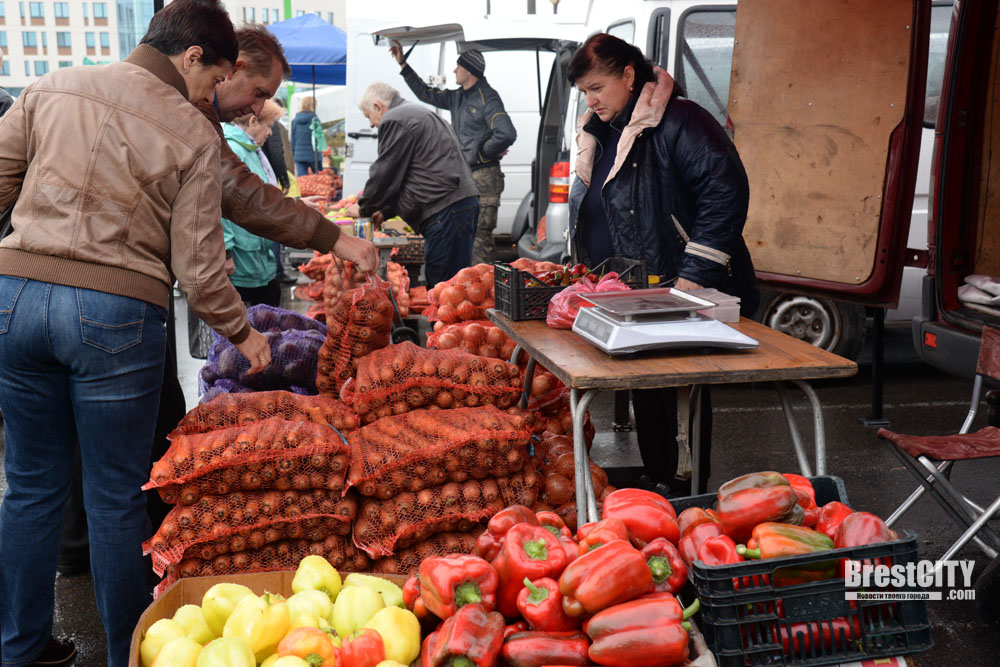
658,179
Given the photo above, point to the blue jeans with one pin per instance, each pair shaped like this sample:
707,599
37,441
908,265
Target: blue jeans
448,238
75,366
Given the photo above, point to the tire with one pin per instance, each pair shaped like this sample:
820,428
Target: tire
832,325
988,593
402,334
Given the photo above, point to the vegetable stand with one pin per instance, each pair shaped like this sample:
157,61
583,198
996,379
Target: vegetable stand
587,371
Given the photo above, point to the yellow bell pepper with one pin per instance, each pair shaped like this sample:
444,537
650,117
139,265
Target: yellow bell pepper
303,620
260,621
226,652
316,573
182,652
269,662
159,633
218,603
290,661
400,631
355,606
390,592
313,602
192,619
390,663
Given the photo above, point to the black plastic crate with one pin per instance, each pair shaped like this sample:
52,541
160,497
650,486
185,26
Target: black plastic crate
515,299
411,253
749,622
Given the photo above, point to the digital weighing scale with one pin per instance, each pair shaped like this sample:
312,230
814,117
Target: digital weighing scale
653,319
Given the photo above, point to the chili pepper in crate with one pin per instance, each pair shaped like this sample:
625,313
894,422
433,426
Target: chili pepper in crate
666,565
695,516
448,583
640,633
604,577
776,540
527,552
647,515
513,628
861,528
553,523
600,533
535,649
756,498
830,516
473,636
806,495
540,603
806,638
488,544
690,543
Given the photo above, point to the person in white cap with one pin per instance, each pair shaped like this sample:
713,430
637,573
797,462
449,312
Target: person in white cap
484,132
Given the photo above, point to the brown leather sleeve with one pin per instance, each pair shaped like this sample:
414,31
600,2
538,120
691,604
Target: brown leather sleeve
262,209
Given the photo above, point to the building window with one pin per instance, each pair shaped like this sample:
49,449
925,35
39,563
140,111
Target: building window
90,40
299,12
45,40
85,10
252,13
65,63
329,17
20,6
61,9
27,68
275,16
100,10
5,69
29,39
3,12
64,40
37,10
3,40
41,67
105,40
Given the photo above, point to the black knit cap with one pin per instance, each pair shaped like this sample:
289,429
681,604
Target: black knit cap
473,61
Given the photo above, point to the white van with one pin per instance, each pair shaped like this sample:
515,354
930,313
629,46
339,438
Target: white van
693,40
519,56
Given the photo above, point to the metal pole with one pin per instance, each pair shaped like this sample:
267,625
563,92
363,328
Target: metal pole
878,344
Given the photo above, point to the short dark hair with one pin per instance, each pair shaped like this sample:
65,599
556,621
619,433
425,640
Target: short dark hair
259,48
609,55
186,23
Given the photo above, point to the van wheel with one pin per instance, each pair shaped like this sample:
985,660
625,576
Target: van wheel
832,325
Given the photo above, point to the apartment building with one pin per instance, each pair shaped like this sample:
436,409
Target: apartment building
272,11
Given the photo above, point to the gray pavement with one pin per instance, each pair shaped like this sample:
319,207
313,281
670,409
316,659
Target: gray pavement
751,434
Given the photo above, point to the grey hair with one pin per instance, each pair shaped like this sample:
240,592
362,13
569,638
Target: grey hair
377,92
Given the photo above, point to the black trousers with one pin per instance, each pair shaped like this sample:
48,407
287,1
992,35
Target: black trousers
656,430
269,294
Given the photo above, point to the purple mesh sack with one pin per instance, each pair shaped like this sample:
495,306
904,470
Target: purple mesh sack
266,318
294,356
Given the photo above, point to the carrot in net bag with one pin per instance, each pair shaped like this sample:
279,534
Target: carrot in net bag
228,410
358,325
339,278
466,296
421,449
282,555
384,525
243,520
269,454
315,268
404,377
399,278
407,561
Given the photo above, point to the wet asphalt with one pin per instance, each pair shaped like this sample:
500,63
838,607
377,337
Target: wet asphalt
750,434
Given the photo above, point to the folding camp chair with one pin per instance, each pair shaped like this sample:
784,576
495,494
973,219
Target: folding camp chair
930,458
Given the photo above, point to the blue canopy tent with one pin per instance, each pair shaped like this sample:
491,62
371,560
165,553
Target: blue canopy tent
316,50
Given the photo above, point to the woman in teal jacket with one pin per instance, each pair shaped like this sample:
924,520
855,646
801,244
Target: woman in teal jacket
255,271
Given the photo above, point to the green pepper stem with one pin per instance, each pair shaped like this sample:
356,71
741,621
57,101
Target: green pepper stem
747,553
660,568
692,609
686,625
314,660
552,529
460,661
536,549
467,593
538,593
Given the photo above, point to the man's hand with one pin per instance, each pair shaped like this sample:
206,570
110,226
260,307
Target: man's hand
396,49
257,351
229,266
377,219
683,284
362,253
316,201
352,211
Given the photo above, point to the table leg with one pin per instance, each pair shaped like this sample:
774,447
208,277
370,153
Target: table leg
819,428
694,424
586,502
529,374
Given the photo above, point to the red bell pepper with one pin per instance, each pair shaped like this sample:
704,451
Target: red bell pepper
756,498
691,542
720,550
604,577
413,601
364,648
776,540
861,528
647,515
571,548
666,565
640,633
540,603
806,495
473,636
830,516
536,649
554,523
600,533
584,530
804,639
448,583
427,649
488,544
695,516
520,626
528,552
